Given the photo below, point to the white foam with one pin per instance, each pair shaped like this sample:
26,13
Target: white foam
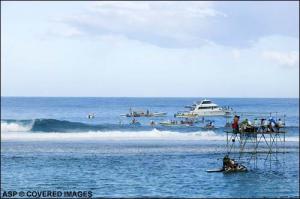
17,132
292,139
14,127
110,135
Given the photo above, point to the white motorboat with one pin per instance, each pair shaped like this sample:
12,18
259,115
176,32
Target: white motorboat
204,108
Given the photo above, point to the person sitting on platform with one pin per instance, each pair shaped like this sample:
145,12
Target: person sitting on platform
279,124
235,124
244,124
256,125
271,124
264,124
247,126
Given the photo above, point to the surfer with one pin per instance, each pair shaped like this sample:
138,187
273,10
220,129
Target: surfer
91,116
133,121
152,123
228,163
231,165
210,125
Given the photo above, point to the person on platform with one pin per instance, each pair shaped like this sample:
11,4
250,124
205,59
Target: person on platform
279,124
235,124
271,124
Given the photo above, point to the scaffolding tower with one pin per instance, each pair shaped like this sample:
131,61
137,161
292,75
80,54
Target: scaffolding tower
245,145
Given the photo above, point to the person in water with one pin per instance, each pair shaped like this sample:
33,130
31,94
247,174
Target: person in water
152,123
210,124
133,121
228,163
91,116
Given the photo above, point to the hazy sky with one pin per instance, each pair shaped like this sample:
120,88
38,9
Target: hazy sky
184,49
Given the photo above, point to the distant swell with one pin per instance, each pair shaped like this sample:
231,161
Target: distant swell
52,125
47,125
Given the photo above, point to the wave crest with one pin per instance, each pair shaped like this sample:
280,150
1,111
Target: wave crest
15,127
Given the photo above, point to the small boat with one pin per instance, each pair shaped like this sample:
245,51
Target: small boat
143,114
204,108
185,114
158,114
177,123
169,123
187,122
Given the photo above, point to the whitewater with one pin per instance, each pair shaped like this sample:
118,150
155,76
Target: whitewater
23,130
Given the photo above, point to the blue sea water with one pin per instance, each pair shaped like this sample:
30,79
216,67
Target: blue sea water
50,144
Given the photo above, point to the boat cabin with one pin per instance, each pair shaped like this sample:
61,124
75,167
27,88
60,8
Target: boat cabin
206,104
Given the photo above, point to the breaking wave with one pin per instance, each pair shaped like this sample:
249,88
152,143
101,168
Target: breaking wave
52,129
112,135
54,125
16,125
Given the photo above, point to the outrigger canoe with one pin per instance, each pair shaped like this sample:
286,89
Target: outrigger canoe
170,123
142,114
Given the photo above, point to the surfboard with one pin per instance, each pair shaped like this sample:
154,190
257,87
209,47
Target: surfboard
215,170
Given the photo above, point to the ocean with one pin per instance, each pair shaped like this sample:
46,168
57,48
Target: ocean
48,143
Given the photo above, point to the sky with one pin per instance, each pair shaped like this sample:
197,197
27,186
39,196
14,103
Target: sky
150,49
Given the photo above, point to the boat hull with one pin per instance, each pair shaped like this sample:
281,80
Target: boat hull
203,114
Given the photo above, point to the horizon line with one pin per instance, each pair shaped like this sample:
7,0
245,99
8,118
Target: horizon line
147,97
